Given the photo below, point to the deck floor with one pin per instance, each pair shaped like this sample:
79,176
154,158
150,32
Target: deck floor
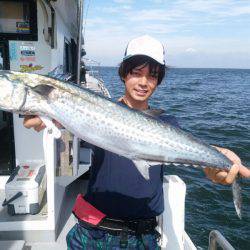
4,216
67,219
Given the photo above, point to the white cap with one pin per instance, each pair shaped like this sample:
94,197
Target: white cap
147,46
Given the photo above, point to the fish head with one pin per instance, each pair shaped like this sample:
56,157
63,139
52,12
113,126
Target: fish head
12,92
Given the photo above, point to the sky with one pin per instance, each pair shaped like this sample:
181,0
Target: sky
195,33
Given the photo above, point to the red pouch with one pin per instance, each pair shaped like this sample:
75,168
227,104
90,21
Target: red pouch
86,212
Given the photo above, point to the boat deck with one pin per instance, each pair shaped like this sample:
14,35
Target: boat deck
67,219
5,217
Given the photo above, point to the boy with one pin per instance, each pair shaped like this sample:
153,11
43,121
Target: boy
125,203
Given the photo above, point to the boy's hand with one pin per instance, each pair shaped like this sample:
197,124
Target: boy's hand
227,177
35,122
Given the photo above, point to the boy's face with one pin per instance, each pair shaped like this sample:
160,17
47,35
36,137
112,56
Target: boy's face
140,84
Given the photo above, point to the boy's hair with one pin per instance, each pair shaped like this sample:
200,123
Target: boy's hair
129,64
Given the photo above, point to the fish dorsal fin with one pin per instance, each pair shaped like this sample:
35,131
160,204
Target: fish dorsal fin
43,89
153,112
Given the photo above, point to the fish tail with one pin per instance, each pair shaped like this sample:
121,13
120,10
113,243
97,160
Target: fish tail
237,197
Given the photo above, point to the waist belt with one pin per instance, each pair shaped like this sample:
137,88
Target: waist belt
89,216
113,226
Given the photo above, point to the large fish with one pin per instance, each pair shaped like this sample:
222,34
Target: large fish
103,122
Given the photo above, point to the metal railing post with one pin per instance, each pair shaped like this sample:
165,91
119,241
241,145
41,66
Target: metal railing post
217,239
76,141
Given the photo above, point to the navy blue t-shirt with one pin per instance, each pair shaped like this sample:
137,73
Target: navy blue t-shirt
118,189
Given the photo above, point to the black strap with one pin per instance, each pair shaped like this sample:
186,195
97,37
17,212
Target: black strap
115,226
14,197
132,226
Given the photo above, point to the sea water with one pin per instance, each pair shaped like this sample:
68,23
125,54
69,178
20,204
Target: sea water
214,105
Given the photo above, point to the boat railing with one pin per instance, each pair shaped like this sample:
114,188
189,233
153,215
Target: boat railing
90,66
217,239
93,78
59,74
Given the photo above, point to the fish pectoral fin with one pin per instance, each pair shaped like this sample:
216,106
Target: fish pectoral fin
153,112
43,89
143,168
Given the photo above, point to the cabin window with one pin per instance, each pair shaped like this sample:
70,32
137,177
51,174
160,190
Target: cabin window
68,59
7,149
18,20
1,60
4,55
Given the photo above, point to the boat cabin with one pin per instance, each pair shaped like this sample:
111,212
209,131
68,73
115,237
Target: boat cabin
36,36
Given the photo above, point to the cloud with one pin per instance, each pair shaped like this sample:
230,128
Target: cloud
123,1
189,29
237,11
155,14
190,50
116,9
154,29
202,6
157,1
219,8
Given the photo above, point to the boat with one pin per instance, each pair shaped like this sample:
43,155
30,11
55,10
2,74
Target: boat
45,37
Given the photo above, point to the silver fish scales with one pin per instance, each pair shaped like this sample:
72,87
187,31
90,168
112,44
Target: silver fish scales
104,123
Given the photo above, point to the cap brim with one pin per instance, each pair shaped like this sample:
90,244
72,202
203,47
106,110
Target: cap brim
130,56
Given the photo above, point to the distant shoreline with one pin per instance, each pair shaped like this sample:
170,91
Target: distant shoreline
174,67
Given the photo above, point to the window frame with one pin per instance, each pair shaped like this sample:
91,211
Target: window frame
33,36
5,49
